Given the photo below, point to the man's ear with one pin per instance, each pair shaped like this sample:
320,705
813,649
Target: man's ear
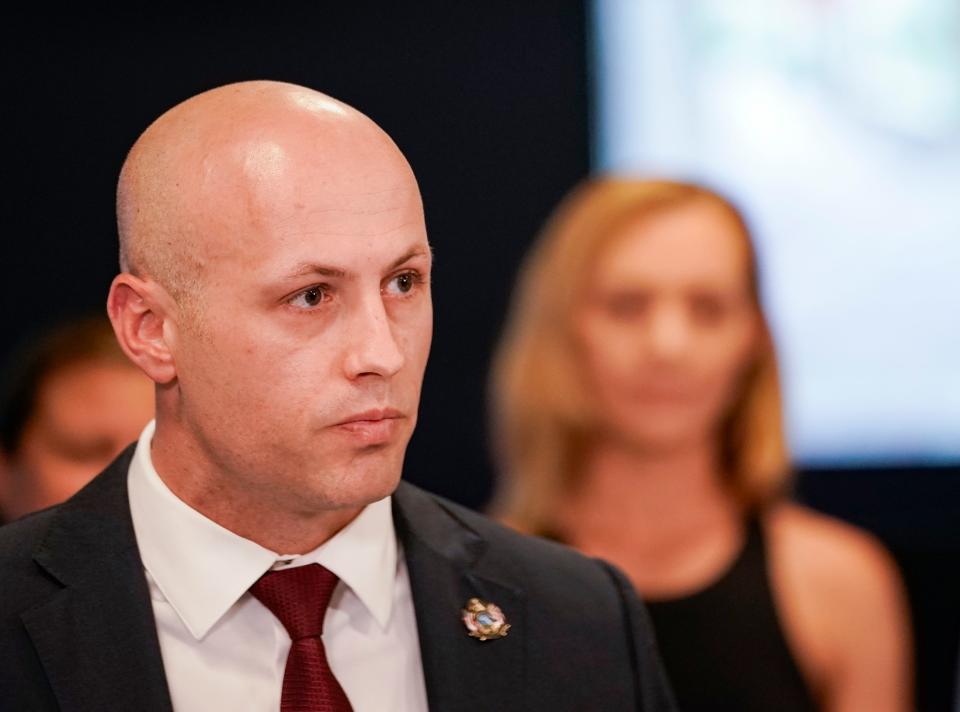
138,310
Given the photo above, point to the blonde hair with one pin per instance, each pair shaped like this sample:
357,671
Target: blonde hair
541,415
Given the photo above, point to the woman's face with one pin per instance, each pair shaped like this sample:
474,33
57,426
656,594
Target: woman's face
667,327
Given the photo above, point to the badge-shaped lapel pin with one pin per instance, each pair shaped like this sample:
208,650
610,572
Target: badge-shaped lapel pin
484,620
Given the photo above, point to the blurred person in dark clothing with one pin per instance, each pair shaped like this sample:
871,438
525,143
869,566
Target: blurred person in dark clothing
638,418
70,402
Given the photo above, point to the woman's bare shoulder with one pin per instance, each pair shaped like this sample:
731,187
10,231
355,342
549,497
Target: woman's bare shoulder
828,551
844,608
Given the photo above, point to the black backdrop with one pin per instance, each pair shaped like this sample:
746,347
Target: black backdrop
490,103
489,106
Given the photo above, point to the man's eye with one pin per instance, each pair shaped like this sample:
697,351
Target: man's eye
308,298
403,283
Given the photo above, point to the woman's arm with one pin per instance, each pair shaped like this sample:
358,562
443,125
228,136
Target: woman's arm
844,611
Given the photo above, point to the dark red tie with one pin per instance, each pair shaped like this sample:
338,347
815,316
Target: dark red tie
299,598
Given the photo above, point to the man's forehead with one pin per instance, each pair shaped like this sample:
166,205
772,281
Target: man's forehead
267,188
258,178
302,163
282,174
336,218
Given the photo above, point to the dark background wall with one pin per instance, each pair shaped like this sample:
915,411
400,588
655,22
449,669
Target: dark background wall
489,106
489,101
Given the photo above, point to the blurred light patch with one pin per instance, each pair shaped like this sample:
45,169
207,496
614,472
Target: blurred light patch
836,125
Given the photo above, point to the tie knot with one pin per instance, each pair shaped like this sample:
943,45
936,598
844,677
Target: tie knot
298,597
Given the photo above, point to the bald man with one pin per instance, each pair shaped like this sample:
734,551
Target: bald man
255,549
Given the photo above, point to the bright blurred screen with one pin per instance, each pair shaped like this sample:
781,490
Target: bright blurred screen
835,124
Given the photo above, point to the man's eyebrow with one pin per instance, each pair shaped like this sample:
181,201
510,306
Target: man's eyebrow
312,268
416,252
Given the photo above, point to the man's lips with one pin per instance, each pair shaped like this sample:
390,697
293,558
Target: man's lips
371,427
372,416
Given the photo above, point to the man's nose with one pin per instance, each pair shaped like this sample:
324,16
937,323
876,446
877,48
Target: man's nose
372,345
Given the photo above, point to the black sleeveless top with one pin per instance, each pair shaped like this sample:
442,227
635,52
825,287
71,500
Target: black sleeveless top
723,647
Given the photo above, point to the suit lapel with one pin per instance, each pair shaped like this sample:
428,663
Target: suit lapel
442,554
96,637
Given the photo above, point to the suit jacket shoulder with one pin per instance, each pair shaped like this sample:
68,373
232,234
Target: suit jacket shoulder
579,637
76,622
23,585
539,565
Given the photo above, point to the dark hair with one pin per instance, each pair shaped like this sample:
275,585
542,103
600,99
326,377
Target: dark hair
66,344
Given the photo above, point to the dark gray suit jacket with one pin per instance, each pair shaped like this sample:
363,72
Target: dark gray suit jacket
77,631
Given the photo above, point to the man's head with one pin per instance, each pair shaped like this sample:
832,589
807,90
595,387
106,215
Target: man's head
69,403
276,288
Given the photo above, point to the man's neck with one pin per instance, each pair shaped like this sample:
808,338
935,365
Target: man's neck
198,482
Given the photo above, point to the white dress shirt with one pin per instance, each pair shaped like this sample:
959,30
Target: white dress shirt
223,650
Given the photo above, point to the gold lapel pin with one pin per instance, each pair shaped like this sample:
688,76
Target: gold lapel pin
484,621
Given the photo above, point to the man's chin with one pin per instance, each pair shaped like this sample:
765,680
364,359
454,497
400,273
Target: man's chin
362,489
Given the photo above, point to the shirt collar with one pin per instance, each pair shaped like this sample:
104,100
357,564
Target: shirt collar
203,569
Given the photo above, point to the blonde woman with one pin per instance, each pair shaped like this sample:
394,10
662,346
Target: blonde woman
637,412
